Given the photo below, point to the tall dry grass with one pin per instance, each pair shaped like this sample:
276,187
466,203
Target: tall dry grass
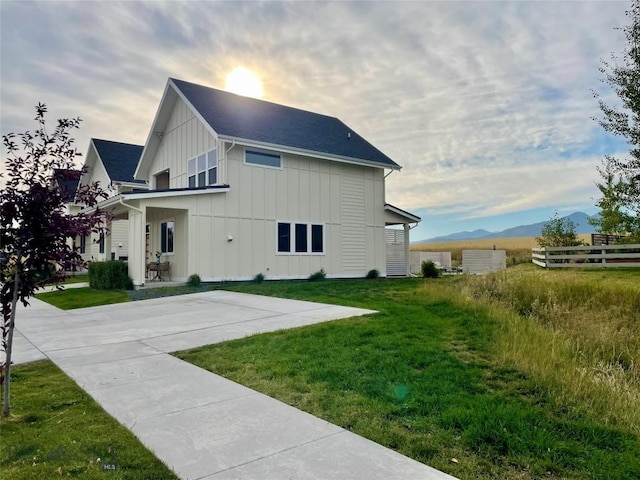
518,250
578,333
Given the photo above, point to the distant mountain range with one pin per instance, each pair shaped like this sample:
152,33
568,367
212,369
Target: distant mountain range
580,219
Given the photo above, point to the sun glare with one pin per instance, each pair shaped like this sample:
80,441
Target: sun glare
244,82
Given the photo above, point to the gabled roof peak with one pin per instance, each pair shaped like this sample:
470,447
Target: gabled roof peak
119,159
245,118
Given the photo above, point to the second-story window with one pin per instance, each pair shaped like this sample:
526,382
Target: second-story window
262,159
203,169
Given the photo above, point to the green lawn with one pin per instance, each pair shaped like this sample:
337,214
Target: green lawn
83,297
424,377
57,430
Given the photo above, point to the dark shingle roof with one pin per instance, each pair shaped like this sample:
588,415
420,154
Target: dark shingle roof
119,159
67,181
250,119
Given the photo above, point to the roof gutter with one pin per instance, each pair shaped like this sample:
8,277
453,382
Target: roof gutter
129,205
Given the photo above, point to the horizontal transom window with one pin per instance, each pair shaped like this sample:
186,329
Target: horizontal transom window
263,159
295,238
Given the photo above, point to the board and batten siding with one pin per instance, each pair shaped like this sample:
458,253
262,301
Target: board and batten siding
353,244
184,137
232,235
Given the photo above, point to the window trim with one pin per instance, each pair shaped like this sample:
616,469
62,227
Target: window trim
292,238
165,222
262,152
206,171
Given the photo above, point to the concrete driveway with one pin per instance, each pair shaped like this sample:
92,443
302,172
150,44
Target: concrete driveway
202,425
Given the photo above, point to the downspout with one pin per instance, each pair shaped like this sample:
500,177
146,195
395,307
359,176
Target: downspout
226,159
233,144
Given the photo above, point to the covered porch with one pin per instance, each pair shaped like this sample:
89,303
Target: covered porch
398,223
157,238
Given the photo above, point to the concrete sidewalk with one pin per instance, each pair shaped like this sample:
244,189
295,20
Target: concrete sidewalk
202,425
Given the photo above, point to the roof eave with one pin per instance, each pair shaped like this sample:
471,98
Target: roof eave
403,213
312,153
174,192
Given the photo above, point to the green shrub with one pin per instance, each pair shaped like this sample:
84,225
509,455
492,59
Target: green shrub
259,278
113,275
372,274
317,276
429,270
194,280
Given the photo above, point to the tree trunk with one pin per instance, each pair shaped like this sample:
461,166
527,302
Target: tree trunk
7,364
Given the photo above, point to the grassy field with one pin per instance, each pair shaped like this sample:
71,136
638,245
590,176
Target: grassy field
518,249
576,331
461,374
57,430
83,297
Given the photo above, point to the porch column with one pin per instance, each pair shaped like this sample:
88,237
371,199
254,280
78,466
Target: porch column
406,249
107,241
136,262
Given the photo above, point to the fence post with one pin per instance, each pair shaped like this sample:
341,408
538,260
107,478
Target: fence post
604,260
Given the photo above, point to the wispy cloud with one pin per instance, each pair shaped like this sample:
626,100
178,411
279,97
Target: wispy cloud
487,105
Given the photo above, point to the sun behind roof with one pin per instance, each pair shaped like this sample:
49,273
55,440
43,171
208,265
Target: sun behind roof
244,82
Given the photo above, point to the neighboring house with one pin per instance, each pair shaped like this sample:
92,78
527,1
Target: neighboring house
112,165
67,182
240,186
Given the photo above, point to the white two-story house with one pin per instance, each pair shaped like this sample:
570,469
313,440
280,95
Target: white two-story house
112,165
239,186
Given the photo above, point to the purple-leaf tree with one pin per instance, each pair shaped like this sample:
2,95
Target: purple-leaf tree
36,230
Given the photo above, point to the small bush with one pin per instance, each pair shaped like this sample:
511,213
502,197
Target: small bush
317,276
372,274
194,280
429,270
113,275
259,278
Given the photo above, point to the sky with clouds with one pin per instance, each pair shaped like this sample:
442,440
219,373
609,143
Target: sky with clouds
488,106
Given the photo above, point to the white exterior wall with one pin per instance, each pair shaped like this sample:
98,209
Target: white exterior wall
184,137
119,228
97,173
347,199
120,238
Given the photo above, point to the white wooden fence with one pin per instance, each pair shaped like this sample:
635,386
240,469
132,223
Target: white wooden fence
478,262
441,259
600,256
396,252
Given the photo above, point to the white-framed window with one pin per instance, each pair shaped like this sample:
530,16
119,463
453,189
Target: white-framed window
262,159
299,238
203,169
166,236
